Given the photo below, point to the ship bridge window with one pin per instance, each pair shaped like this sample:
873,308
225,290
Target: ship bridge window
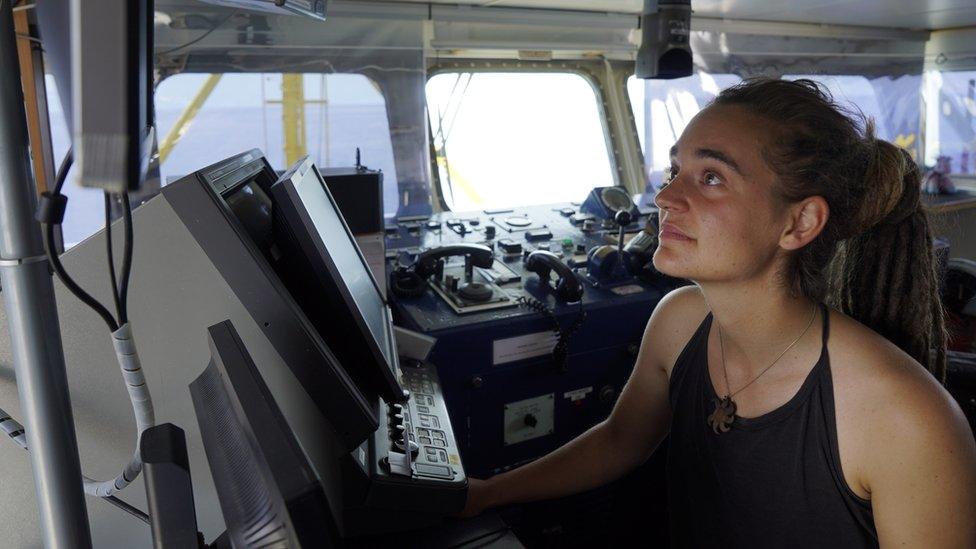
203,118
514,139
892,102
950,119
662,109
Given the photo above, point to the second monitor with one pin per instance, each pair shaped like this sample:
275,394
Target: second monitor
342,299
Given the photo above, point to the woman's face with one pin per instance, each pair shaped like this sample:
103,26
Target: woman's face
720,220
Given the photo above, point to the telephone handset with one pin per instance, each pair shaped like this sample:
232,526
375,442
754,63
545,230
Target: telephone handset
568,288
480,256
410,282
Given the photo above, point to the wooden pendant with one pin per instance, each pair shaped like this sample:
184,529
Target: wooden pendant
724,414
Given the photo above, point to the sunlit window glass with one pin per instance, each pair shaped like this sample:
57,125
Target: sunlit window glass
891,102
512,139
662,109
950,134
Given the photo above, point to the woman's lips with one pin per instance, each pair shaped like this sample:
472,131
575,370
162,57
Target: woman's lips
671,232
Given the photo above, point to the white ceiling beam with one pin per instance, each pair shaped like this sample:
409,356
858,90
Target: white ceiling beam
607,20
806,30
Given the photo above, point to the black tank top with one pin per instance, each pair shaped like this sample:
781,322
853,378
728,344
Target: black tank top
771,481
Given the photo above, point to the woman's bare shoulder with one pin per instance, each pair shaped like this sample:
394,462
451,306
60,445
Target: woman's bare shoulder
888,393
904,437
863,359
672,324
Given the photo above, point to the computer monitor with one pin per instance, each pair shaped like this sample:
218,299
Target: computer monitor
269,492
341,296
227,209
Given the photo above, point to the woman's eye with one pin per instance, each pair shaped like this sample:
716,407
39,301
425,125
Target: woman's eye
712,179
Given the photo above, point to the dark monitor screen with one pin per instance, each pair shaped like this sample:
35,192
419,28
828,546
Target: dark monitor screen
269,492
350,311
253,208
243,183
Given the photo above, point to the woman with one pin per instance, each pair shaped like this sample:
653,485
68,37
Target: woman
792,424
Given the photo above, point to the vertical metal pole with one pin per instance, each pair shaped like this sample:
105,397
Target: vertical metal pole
28,295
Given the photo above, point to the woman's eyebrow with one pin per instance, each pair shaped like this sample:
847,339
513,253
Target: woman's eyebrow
714,155
719,156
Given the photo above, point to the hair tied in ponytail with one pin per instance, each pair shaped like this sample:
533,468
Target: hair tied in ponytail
892,186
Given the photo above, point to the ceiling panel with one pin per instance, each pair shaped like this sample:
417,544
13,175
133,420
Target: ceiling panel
911,14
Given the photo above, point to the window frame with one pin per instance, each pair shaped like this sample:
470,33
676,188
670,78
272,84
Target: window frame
932,110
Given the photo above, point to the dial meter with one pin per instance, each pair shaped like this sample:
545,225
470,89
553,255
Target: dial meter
605,202
616,199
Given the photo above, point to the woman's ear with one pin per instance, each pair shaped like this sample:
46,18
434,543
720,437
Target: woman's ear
806,220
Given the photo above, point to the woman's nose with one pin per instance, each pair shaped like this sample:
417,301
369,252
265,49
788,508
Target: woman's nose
670,197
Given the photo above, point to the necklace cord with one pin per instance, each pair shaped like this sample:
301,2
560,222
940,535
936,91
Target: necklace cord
725,371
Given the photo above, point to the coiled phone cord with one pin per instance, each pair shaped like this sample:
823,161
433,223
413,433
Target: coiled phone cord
560,352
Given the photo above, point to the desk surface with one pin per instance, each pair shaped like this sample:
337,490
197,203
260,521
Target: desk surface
964,198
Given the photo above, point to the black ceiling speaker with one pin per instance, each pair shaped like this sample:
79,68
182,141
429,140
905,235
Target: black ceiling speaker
665,50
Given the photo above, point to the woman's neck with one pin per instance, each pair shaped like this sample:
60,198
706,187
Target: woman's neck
757,318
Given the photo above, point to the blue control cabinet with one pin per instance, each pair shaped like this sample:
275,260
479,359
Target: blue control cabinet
509,400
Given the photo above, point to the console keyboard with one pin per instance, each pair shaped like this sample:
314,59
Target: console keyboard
424,418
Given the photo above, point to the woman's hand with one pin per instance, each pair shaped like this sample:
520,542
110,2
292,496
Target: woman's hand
478,498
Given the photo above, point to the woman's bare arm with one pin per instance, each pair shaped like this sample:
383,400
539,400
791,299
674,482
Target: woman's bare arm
920,464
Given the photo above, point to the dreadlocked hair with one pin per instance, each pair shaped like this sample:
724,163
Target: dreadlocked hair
874,259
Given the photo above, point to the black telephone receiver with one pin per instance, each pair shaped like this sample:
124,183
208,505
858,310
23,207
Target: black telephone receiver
568,288
481,256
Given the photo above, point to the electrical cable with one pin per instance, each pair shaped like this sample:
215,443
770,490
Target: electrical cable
199,38
126,258
560,351
45,207
50,212
62,173
111,257
70,283
15,431
128,508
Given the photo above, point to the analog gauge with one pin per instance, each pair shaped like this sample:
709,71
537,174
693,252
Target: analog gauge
616,198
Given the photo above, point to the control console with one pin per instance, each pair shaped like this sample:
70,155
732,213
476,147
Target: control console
538,314
413,461
424,418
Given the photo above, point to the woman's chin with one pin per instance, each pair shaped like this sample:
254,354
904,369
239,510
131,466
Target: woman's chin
666,262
